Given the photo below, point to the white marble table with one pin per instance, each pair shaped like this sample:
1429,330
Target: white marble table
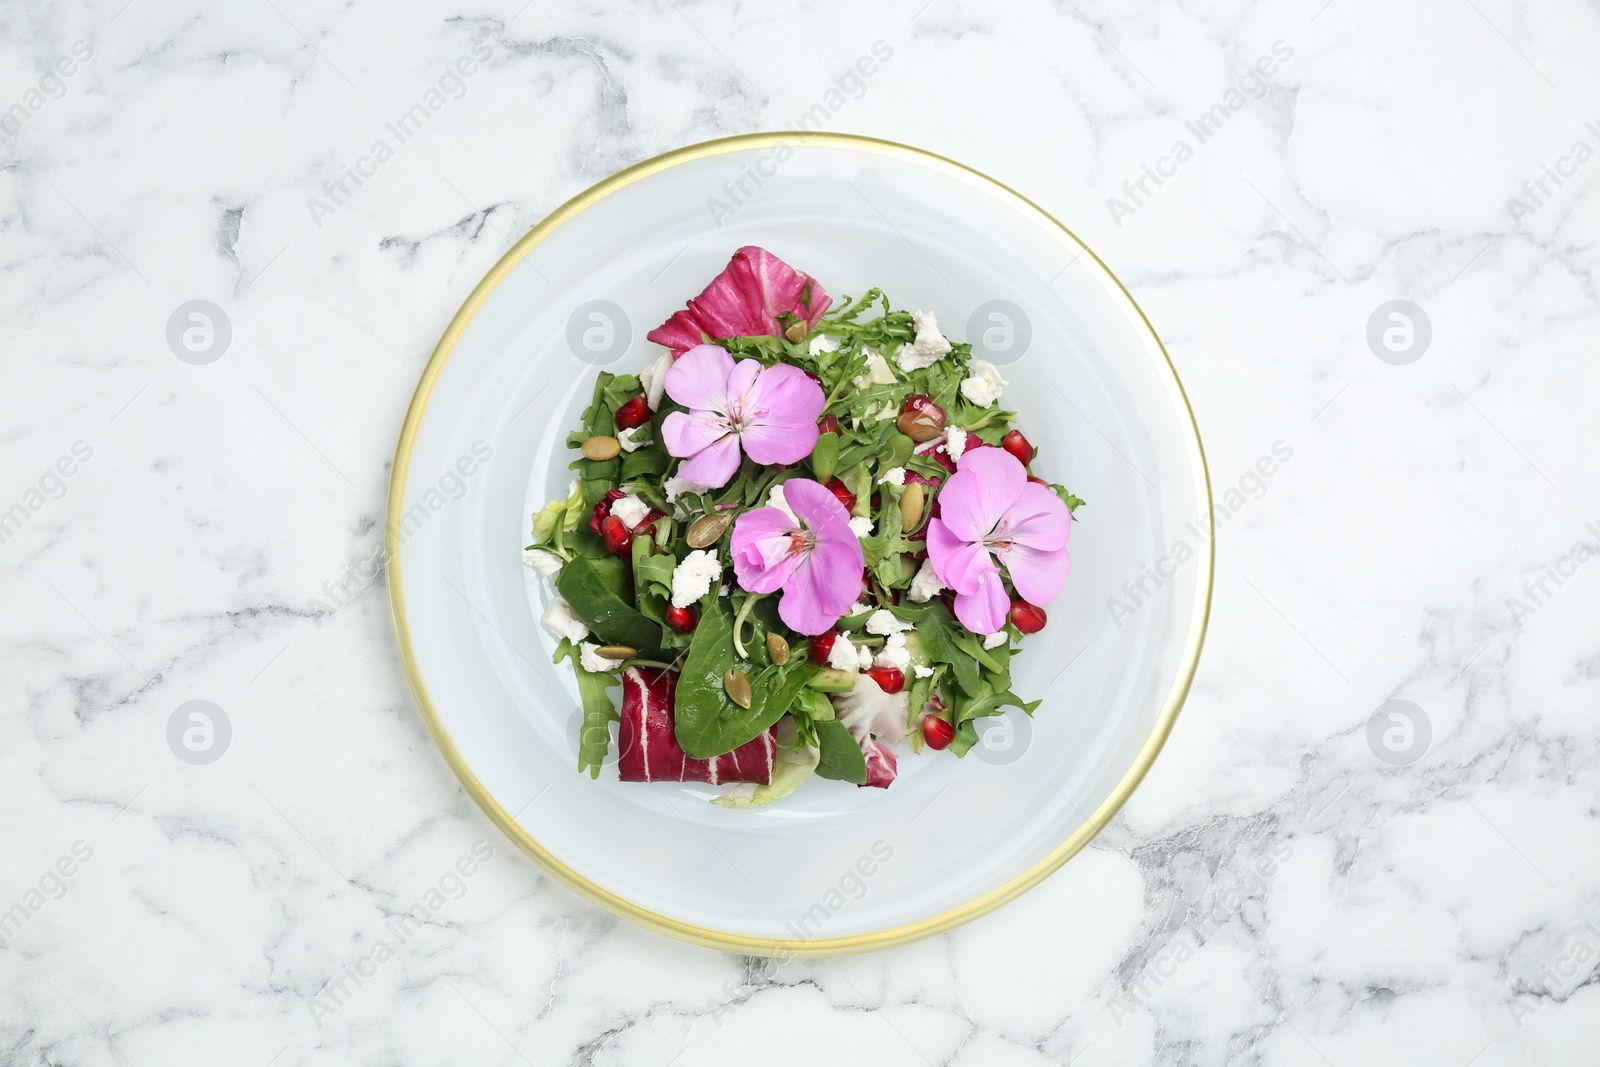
1284,889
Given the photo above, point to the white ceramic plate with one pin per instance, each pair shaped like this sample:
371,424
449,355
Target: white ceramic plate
832,868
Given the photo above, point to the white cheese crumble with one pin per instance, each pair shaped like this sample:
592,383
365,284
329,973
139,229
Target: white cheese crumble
926,585
996,639
675,485
861,526
593,661
955,442
893,476
654,379
629,439
823,343
844,656
895,654
542,560
857,608
922,672
692,578
929,347
776,499
884,622
561,622
983,387
630,509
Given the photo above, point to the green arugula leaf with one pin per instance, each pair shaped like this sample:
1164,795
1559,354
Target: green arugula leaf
941,638
594,736
1071,500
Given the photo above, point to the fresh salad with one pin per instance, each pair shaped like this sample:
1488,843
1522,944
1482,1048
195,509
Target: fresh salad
796,539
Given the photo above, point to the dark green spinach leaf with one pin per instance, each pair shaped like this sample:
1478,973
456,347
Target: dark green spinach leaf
842,758
706,722
597,590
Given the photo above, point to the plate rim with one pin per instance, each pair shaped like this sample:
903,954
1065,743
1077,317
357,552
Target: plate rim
707,936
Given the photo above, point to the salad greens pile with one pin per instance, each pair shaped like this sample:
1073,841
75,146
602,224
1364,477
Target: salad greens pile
620,589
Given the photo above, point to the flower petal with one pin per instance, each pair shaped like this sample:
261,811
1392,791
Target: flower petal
714,465
762,549
686,433
810,596
824,586
1037,526
821,511
986,483
1038,575
699,379
984,611
1037,519
959,564
838,567
781,412
741,381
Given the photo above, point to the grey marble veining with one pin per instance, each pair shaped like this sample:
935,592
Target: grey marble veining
1300,880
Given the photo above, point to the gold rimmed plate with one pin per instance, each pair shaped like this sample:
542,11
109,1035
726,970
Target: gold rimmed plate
831,869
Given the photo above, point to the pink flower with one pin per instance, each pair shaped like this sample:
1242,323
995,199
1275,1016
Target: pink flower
747,299
769,412
818,564
988,510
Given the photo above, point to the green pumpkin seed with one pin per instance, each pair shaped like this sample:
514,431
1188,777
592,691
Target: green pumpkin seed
737,687
707,529
600,447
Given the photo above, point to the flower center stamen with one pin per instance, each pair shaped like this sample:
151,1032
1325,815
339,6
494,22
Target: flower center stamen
998,540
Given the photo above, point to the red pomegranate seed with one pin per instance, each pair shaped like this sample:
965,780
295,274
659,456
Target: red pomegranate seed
1029,618
814,376
840,490
647,525
1036,480
937,733
890,679
681,619
618,537
822,646
598,516
635,412
1018,446
828,424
